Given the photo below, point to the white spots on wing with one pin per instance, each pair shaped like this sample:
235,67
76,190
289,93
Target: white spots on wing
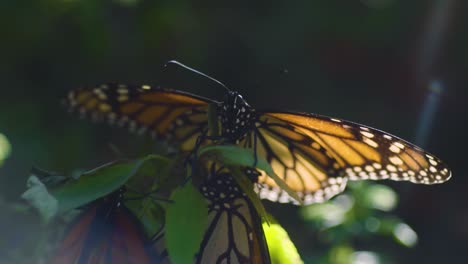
377,165
433,162
367,134
370,142
364,128
391,168
122,91
369,168
387,137
363,175
101,95
335,120
329,188
394,176
394,149
145,87
399,145
395,160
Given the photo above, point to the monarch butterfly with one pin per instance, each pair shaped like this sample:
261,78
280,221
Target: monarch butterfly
234,233
107,232
315,155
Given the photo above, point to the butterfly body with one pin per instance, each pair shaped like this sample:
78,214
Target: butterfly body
237,117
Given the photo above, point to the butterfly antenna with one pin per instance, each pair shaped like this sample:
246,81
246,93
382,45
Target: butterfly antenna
197,72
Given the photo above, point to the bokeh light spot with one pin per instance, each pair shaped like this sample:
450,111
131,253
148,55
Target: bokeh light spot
365,257
382,198
5,148
405,234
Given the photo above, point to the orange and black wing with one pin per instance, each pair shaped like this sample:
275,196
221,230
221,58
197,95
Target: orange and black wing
235,233
163,113
316,155
105,233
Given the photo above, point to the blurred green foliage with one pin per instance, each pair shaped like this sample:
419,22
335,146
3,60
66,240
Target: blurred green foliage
353,59
362,213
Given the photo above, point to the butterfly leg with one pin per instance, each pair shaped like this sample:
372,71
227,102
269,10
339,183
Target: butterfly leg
255,148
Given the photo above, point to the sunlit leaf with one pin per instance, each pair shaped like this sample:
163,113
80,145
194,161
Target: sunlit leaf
340,254
282,249
5,148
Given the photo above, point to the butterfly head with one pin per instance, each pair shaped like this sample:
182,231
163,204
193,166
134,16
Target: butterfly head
237,116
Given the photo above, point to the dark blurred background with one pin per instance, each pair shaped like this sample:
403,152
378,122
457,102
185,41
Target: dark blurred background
399,66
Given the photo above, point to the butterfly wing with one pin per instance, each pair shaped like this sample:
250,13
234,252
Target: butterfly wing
315,155
163,113
235,233
104,235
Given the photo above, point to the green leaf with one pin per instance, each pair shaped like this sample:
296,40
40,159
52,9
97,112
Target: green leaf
97,183
38,197
282,249
149,213
234,155
186,221
246,185
151,175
